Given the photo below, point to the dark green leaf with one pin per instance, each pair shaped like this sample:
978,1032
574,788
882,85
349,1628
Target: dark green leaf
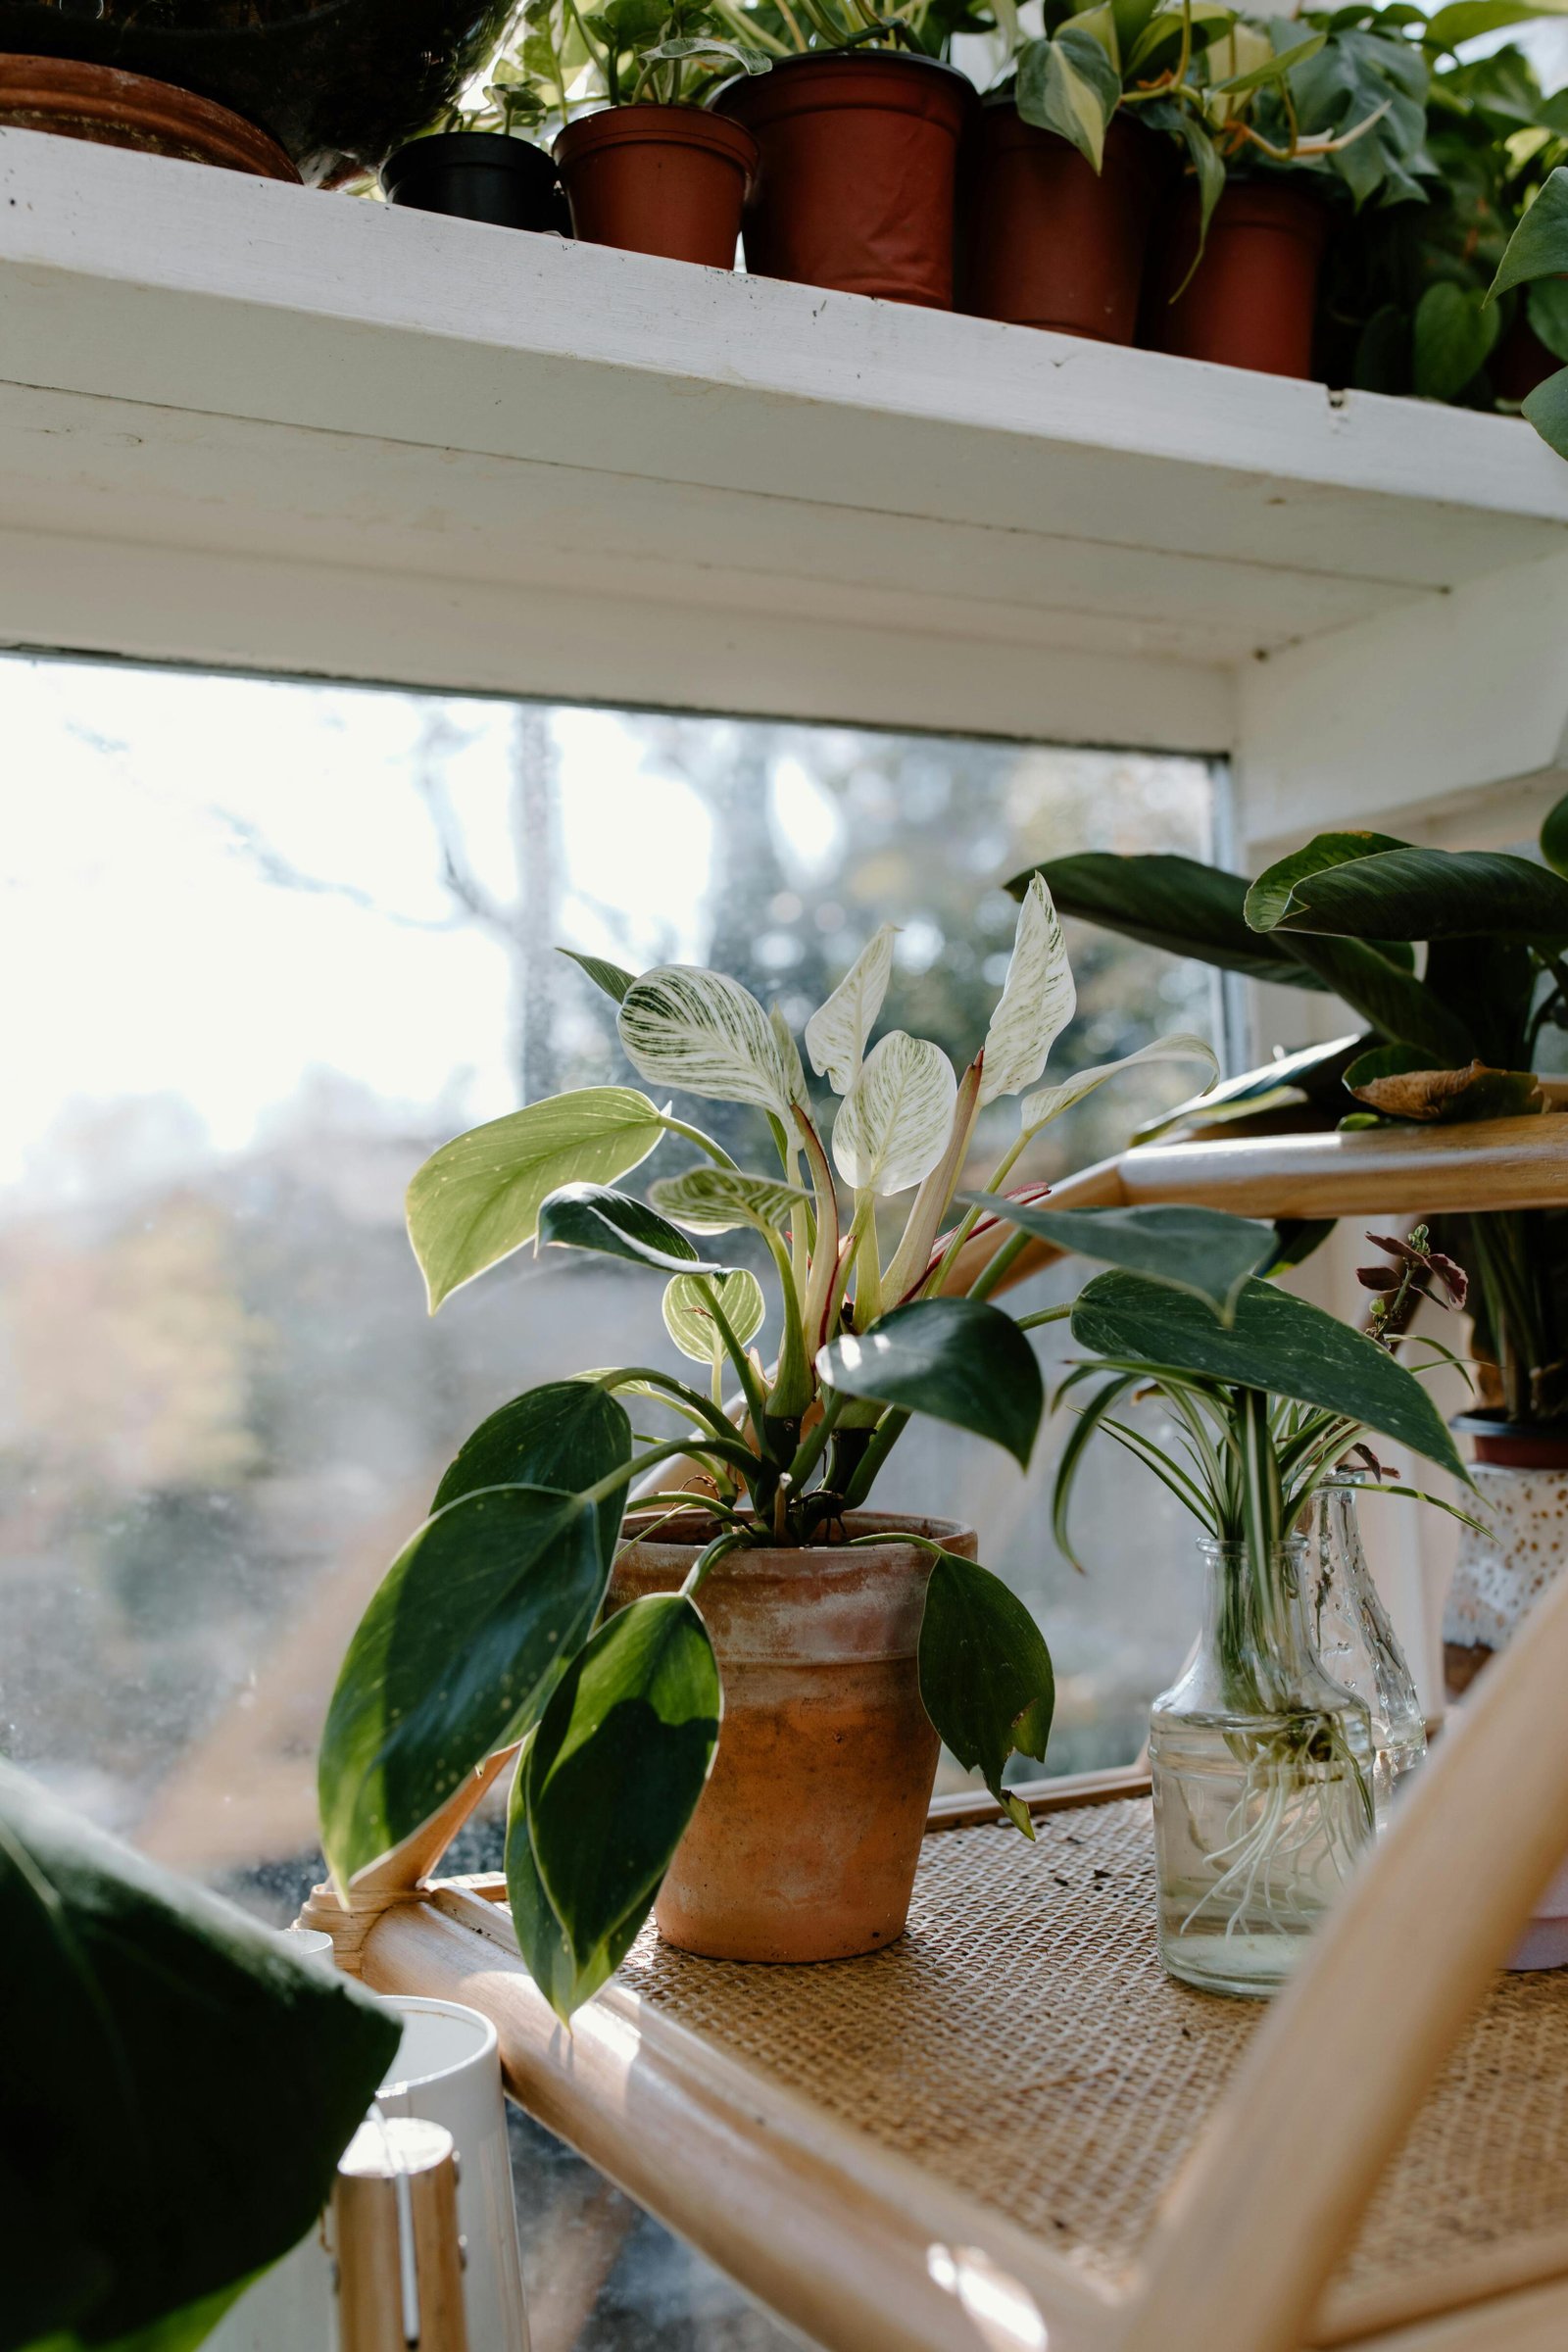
132,2184
1463,19
1538,246
613,978
1277,1343
1294,1241
591,1216
986,1678
1170,903
958,1359
1310,1077
1554,836
616,1771
566,1435
452,1658
1204,1251
1454,330
541,1940
477,1198
1547,309
1386,996
1546,409
1410,893
1269,899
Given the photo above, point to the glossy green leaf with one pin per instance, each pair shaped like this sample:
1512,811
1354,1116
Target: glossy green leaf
1204,1251
1538,246
1554,836
689,1315
1175,903
1277,1343
594,1216
958,1359
1546,409
717,1200
986,1678
1070,87
1463,19
564,1435
704,1032
133,2185
477,1198
617,1766
453,1658
1451,338
1410,893
1269,899
1387,995
1547,309
541,1938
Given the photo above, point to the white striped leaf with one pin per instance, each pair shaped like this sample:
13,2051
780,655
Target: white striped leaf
893,1124
689,1317
836,1033
1038,999
1052,1101
789,1053
717,1200
705,1033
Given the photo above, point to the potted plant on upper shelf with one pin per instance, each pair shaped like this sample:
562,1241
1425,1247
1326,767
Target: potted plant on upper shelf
860,123
316,89
1236,278
760,1584
1459,1042
477,163
1537,257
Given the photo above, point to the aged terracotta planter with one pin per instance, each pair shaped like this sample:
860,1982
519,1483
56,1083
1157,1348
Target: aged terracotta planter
665,179
1252,299
805,1843
1052,242
859,184
114,109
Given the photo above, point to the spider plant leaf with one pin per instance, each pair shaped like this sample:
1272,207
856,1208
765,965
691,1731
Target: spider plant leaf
837,1032
893,1125
1038,999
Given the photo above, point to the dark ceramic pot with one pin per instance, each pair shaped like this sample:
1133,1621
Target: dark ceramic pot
336,84
476,175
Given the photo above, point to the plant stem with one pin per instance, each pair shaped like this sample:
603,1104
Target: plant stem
694,1134
992,1276
885,1437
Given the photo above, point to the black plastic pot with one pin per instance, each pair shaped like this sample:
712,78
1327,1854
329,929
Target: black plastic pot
476,175
337,83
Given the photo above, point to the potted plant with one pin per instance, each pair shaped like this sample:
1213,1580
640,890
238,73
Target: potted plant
1537,257
1264,1767
860,123
763,1603
1299,115
477,163
1462,1042
334,84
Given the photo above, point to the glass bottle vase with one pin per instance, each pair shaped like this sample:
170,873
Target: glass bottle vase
1356,1642
1263,1770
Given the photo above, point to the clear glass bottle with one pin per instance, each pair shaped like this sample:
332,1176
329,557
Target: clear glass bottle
1354,1641
1263,1769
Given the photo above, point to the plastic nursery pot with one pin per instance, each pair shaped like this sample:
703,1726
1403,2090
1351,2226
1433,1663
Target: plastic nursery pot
1052,242
476,176
859,182
1252,299
805,1842
665,179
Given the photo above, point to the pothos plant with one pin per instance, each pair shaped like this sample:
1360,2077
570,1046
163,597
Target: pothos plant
488,1628
628,52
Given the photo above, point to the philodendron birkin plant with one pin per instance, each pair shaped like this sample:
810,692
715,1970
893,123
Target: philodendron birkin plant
491,1627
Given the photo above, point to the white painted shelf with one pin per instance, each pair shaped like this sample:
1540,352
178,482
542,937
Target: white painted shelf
255,425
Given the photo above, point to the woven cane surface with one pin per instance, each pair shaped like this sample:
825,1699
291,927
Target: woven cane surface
1023,2043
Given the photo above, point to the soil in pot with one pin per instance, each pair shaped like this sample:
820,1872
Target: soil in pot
805,1843
665,179
859,184
476,176
1252,299
1054,243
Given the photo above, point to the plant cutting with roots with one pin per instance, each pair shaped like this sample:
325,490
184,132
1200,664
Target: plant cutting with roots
488,1630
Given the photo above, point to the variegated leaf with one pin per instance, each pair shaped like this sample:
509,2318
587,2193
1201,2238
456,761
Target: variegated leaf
689,1319
893,1124
1052,1101
789,1053
1037,1001
836,1033
717,1200
705,1033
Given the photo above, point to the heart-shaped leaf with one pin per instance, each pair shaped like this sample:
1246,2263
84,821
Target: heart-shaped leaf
1277,1343
1538,246
477,1198
986,1678
958,1359
450,1661
893,1125
689,1315
1175,903
592,1216
837,1032
1451,338
717,1200
616,1771
1070,87
131,2191
1204,1251
541,1938
1052,1101
704,1032
1546,409
1038,999
564,1435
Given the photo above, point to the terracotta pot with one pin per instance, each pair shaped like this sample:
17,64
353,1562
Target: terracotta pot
112,109
805,1843
1253,300
859,184
336,84
1052,243
476,176
665,179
